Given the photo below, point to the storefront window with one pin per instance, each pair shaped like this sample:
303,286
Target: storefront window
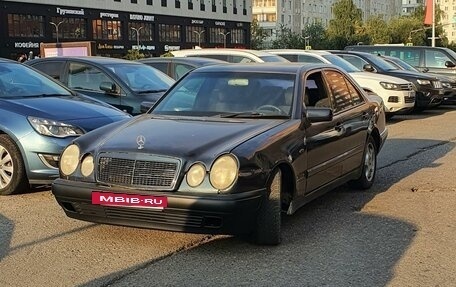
237,36
145,31
216,36
195,34
169,33
29,26
107,29
70,28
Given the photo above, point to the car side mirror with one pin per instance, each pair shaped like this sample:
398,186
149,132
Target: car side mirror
449,64
368,68
145,106
109,88
316,115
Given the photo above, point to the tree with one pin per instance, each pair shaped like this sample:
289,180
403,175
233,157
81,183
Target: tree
257,35
134,54
286,39
316,33
377,31
343,27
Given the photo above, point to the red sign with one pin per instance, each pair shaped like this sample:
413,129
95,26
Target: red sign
130,200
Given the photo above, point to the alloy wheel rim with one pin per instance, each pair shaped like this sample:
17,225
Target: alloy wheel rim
6,167
369,162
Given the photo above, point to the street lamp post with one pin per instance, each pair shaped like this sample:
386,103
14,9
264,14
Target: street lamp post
306,42
137,35
224,38
199,36
56,30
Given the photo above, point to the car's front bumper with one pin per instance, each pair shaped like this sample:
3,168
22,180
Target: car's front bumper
212,214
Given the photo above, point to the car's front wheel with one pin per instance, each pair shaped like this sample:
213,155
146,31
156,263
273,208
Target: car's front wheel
12,172
369,166
268,224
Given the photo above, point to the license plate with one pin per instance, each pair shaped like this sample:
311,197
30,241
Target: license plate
129,200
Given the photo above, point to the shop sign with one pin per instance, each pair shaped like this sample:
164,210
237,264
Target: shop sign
219,23
61,11
140,17
26,45
108,15
102,46
143,47
171,48
194,21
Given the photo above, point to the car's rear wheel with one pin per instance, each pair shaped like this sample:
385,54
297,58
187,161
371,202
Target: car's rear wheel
369,166
13,178
268,224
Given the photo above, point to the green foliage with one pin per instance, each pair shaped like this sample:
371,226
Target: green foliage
167,54
376,31
347,21
257,35
134,54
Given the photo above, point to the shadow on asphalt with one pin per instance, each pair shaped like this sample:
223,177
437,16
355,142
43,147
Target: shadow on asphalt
6,231
423,114
329,242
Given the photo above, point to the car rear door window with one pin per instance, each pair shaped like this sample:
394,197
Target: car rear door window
53,69
435,59
181,69
86,77
340,92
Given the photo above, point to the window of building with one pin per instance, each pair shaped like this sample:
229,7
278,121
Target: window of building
164,3
149,2
22,25
202,5
190,4
69,28
169,33
145,31
177,4
215,35
237,36
134,1
225,9
107,29
214,6
195,34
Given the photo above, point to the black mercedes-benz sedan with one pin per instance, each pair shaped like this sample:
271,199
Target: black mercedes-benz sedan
227,150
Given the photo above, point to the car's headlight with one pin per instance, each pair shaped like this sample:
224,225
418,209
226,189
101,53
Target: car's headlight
69,159
54,128
87,166
196,174
390,86
423,82
446,85
224,172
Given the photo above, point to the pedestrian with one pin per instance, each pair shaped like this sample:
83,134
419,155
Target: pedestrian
22,58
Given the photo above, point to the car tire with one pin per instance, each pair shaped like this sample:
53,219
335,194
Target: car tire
369,166
13,178
268,224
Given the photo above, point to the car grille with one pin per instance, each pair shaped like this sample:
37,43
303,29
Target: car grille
453,85
437,84
409,99
143,171
406,87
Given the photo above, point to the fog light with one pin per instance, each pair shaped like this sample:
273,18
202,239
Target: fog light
393,99
50,160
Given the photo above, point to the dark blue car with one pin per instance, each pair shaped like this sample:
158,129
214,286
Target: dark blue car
38,118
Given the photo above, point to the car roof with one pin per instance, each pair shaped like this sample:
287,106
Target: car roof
190,60
220,51
91,59
4,60
297,51
289,68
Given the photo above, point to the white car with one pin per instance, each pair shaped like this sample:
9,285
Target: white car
230,55
398,94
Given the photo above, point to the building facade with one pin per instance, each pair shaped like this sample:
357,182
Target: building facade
297,14
116,26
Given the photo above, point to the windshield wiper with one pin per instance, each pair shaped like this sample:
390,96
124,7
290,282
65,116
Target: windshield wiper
252,114
152,91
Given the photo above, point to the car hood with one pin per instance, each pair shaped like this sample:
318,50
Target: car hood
409,74
182,137
83,112
377,77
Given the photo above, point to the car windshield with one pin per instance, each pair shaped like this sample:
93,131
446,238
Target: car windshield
401,64
17,80
382,64
141,77
273,58
230,94
344,64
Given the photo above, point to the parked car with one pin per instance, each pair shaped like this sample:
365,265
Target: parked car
397,94
176,67
448,83
228,149
429,90
230,55
438,60
38,118
130,86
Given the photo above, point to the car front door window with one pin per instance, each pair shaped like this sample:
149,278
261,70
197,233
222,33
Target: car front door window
86,77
